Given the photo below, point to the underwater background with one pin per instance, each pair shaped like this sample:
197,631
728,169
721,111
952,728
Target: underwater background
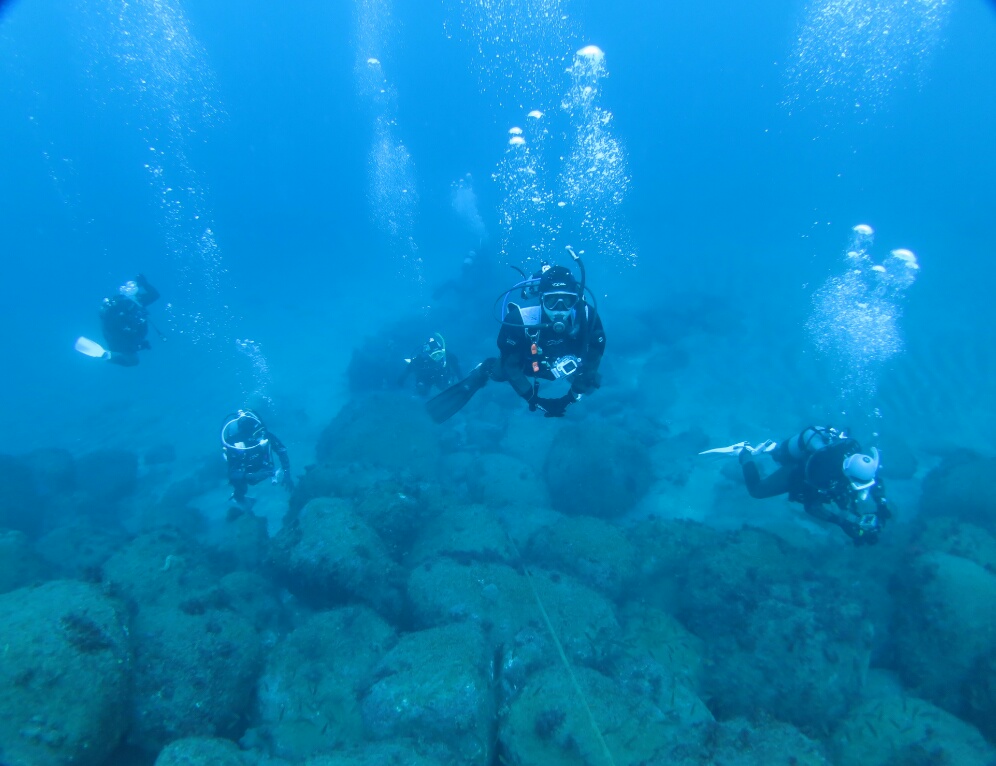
315,188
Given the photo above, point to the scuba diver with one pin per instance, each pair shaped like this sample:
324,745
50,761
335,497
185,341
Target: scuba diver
553,334
124,319
432,366
827,472
248,448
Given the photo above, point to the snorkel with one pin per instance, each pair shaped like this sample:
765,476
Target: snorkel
584,275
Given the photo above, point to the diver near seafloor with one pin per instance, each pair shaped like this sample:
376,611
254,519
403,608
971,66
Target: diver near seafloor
248,448
432,366
826,471
549,331
125,322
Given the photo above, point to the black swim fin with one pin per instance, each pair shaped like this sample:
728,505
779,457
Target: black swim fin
448,403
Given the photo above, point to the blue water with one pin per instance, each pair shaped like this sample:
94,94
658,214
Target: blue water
744,182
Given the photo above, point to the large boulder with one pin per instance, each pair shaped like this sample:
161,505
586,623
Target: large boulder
64,675
497,480
596,470
163,567
309,694
946,630
329,556
80,549
592,550
401,753
195,675
434,687
962,487
503,602
463,533
894,730
201,751
567,717
755,600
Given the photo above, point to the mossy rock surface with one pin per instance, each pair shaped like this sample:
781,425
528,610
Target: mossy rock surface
64,676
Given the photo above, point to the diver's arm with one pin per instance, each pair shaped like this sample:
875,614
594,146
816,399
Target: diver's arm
147,294
281,450
588,378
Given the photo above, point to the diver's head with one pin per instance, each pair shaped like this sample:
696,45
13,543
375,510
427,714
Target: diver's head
435,348
860,470
243,431
129,289
559,296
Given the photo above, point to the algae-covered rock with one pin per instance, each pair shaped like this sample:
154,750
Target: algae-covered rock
309,693
64,675
755,600
160,567
662,638
829,644
377,754
946,627
596,470
329,555
194,675
502,602
765,742
595,552
498,480
201,751
253,597
435,687
549,724
463,533
80,549
905,730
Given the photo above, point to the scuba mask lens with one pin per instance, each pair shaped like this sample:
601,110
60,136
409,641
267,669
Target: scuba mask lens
559,301
438,355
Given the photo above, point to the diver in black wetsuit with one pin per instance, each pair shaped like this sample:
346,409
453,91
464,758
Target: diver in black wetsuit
124,319
433,367
560,336
827,472
248,448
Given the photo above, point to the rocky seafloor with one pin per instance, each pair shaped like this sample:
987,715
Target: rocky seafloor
474,595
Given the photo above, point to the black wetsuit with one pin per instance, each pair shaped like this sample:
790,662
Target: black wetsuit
531,354
818,482
125,323
251,466
430,373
